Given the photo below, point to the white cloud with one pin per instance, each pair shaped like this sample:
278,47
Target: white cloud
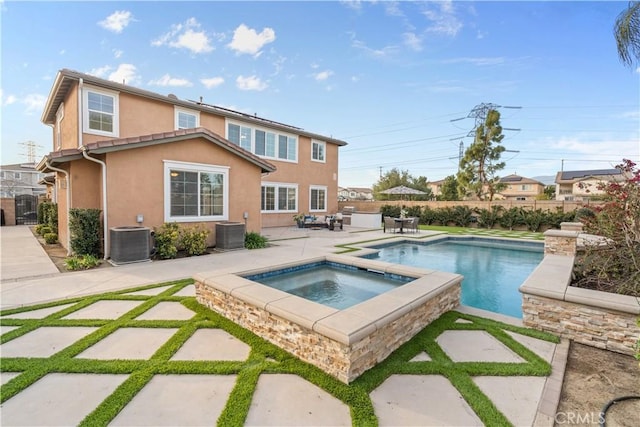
117,53
383,53
167,80
100,72
250,83
126,74
34,102
412,41
352,4
638,70
247,40
117,21
186,36
323,75
8,100
594,146
212,82
443,19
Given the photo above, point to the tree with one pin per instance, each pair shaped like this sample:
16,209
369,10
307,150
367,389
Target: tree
626,31
395,178
481,160
449,189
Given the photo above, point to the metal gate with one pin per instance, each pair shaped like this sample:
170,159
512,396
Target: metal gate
26,209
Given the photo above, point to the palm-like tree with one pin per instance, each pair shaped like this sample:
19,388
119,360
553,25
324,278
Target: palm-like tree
627,33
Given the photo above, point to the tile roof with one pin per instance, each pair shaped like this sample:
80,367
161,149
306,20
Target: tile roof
118,144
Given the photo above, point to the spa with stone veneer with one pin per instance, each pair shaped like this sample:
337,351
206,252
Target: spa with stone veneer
344,343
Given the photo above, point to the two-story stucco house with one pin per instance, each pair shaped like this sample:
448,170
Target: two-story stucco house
583,185
136,154
520,188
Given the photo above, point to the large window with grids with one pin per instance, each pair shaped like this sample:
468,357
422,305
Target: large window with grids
278,197
100,112
196,192
263,142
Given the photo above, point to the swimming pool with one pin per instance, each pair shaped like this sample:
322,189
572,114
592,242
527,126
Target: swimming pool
493,269
332,284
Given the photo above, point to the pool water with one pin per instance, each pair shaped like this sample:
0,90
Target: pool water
492,272
331,285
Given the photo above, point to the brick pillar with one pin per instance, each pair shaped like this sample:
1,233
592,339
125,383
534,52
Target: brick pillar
560,242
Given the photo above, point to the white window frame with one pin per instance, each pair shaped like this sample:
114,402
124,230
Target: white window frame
59,117
180,110
277,186
292,141
319,188
17,175
195,167
85,111
323,150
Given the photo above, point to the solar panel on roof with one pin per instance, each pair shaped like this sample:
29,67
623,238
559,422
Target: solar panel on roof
582,174
511,179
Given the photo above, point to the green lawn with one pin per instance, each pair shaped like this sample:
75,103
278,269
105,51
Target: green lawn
264,358
484,232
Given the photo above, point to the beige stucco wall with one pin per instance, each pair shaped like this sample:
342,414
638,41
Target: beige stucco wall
69,124
136,183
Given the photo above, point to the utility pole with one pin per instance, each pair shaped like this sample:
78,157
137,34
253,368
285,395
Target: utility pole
380,171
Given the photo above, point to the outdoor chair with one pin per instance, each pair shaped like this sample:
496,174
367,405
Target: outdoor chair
411,226
389,224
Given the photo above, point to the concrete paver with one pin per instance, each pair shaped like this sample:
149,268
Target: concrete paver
475,346
288,400
516,397
37,314
178,400
59,399
167,311
44,342
104,310
129,343
421,400
148,292
212,344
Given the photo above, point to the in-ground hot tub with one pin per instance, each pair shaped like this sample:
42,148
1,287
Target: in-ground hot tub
342,342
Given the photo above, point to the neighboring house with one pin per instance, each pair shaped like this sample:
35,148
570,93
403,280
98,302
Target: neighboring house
355,193
583,185
20,179
136,154
436,187
520,188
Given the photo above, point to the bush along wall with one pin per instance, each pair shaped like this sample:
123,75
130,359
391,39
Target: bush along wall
85,227
496,216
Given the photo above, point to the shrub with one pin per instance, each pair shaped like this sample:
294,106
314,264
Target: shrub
510,218
84,225
534,219
487,218
38,229
43,229
462,215
613,264
194,240
50,238
166,238
584,214
555,219
41,212
444,216
390,210
414,212
253,240
428,216
81,262
48,215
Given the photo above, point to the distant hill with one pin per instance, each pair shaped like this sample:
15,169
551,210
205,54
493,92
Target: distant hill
545,179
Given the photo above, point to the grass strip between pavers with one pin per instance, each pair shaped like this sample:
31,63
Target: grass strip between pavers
264,358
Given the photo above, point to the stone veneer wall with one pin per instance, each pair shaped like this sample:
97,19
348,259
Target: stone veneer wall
342,361
590,325
595,318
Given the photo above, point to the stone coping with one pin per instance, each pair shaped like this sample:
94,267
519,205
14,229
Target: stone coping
346,326
552,279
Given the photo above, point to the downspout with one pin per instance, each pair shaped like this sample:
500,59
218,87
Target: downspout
66,174
104,199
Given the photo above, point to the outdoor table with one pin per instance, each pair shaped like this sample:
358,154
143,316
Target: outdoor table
401,221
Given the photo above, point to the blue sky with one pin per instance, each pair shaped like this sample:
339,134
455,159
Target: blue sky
390,78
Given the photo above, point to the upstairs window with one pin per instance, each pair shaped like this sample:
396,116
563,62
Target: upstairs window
264,143
100,112
186,119
318,151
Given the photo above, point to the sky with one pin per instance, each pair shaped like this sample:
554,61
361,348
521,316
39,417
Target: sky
396,80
